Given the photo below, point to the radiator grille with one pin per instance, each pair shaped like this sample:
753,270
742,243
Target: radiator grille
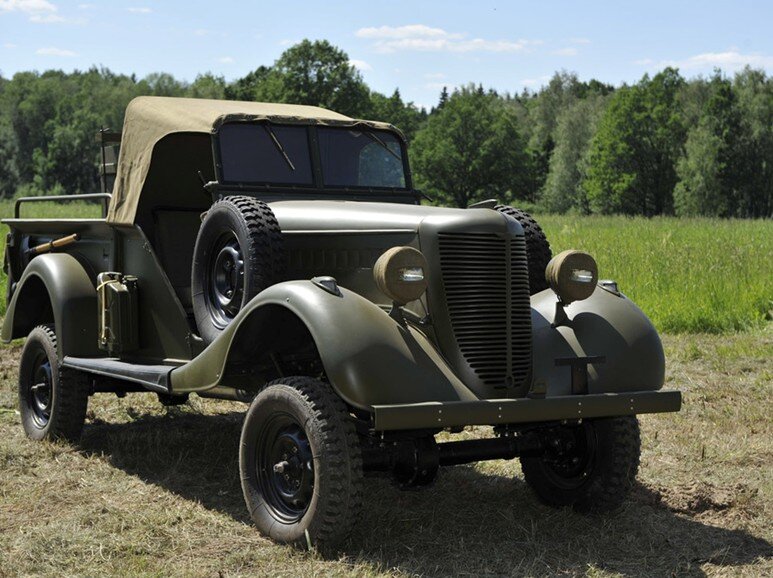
486,285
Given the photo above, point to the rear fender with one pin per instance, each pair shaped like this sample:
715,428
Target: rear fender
55,288
368,357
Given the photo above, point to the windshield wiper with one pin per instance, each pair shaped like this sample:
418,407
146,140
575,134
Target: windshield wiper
383,144
279,147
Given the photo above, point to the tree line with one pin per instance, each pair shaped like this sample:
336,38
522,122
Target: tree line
665,145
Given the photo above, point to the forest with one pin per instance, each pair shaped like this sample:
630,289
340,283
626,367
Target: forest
666,145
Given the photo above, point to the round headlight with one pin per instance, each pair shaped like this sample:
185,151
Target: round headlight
572,275
400,273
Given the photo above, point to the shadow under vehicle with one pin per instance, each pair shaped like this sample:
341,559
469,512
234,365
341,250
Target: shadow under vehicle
279,255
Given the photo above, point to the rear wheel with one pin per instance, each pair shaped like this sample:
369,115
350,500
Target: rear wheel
591,466
538,251
300,464
52,399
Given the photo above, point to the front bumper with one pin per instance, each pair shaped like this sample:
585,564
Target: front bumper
525,410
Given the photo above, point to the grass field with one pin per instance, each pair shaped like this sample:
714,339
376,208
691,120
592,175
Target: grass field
155,492
688,275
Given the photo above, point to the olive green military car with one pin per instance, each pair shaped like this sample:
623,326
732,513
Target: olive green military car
279,255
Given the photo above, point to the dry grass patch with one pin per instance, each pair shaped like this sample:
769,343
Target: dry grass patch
155,492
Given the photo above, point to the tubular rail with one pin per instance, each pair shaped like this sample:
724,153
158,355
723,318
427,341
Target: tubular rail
105,197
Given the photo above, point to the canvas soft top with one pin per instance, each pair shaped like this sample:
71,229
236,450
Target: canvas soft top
149,119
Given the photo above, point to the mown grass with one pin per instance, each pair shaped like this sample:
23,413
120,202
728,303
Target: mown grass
688,275
152,491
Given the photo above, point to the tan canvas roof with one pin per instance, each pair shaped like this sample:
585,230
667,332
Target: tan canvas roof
151,118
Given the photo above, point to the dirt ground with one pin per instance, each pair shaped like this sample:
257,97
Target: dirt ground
152,491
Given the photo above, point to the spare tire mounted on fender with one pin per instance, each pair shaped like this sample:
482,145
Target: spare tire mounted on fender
239,252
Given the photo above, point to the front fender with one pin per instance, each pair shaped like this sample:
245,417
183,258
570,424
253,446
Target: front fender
606,324
368,357
58,280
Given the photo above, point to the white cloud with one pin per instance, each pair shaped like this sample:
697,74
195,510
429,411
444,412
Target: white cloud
434,76
27,6
9,45
729,61
578,41
569,51
418,37
397,32
51,51
39,11
539,81
360,64
139,10
226,60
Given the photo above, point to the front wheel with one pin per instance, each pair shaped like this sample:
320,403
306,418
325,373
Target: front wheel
300,464
590,466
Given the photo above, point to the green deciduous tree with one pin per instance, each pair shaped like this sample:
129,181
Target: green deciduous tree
632,159
576,126
315,73
754,192
393,110
471,149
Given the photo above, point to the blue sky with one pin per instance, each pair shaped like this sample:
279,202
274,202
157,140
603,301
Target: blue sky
416,46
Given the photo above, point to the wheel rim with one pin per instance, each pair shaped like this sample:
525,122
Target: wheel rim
571,457
285,468
225,285
39,389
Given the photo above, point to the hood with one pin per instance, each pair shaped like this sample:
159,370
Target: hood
355,216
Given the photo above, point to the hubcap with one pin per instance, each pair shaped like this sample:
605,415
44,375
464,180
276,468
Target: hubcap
285,468
225,287
571,456
39,394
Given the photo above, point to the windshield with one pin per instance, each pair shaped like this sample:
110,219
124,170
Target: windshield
282,155
252,153
353,158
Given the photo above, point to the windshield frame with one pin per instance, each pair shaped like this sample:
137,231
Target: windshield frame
316,162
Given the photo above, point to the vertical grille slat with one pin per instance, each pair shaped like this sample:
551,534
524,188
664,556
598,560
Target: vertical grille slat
486,289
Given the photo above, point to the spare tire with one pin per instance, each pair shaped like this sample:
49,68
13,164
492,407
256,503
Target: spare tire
538,251
239,252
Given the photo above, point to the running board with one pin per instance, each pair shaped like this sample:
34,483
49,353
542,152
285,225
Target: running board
153,377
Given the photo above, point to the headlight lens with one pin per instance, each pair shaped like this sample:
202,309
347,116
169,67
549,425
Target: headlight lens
582,276
412,274
572,275
399,274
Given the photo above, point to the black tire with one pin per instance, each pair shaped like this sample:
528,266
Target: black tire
299,425
52,399
239,252
608,451
538,251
